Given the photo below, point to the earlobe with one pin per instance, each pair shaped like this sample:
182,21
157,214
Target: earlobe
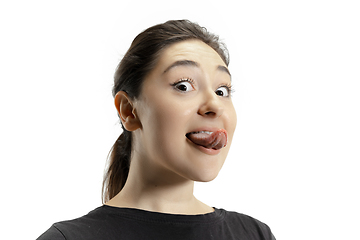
126,111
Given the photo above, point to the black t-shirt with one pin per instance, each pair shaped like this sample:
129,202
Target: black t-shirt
108,223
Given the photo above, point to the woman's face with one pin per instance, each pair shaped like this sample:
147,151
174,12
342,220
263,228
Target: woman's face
187,91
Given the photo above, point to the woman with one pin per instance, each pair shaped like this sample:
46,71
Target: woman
173,95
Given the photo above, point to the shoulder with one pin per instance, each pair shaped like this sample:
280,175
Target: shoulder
247,225
84,227
52,233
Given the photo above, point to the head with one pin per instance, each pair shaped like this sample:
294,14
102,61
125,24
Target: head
143,64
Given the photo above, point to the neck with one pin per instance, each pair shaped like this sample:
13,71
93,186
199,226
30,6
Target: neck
158,192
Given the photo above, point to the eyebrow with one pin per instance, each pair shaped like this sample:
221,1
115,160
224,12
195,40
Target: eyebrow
224,69
194,64
182,63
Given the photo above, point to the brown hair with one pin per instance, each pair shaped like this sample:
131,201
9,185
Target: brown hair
138,61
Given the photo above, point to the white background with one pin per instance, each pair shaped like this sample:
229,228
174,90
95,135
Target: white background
295,66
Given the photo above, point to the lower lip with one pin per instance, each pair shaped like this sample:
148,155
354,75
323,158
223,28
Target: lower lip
208,151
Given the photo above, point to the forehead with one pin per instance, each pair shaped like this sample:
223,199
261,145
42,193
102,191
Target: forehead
194,50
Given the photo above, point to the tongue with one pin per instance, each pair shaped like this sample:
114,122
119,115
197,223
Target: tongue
215,140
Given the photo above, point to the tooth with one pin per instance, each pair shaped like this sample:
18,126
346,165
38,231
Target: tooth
207,132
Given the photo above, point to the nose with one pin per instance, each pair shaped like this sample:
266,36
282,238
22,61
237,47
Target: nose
211,106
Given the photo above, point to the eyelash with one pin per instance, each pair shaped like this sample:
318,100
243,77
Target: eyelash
189,80
183,80
228,86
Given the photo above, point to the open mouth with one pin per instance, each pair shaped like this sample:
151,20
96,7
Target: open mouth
212,140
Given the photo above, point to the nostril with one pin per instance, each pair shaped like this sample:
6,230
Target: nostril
211,108
210,113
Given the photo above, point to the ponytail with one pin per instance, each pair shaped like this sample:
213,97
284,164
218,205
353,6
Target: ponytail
118,168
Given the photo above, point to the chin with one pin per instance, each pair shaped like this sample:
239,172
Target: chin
206,172
206,176
205,180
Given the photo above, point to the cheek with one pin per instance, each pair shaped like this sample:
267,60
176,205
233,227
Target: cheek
165,120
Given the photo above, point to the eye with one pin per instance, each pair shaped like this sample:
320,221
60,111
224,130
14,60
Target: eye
183,85
223,91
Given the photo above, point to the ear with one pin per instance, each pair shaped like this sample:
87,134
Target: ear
126,111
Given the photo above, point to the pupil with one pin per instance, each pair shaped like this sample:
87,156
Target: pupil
182,88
